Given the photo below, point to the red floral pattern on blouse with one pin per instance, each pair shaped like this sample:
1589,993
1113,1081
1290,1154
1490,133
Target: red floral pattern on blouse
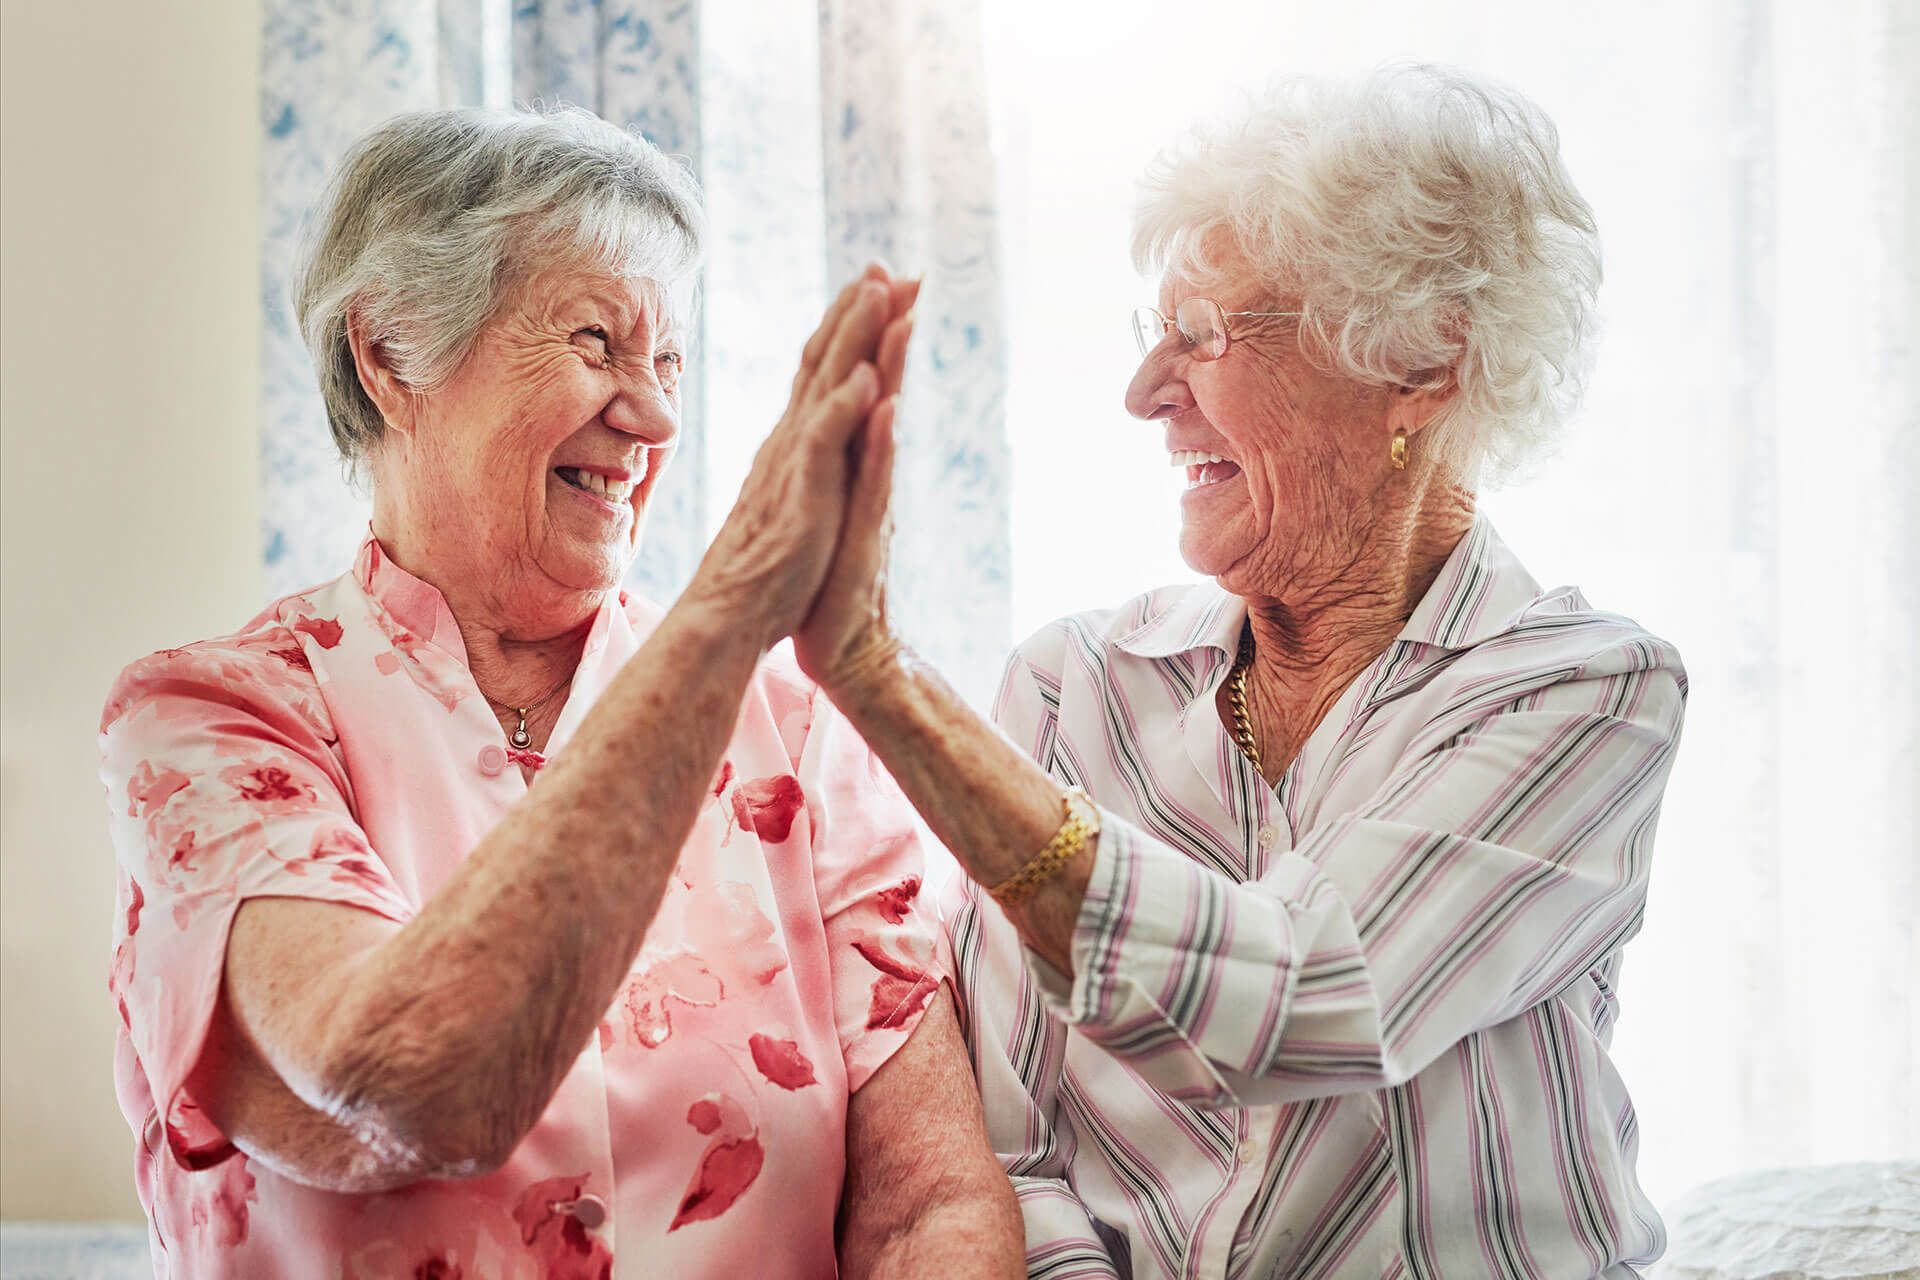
727,1167
766,806
332,751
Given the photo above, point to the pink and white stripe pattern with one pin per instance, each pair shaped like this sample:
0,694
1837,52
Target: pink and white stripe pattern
1355,1024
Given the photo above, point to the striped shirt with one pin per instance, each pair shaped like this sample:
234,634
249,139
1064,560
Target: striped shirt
1354,1024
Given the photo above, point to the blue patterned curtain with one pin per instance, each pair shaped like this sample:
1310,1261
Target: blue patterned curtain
910,180
824,134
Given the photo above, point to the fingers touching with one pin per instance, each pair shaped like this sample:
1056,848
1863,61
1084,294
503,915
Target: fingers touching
850,327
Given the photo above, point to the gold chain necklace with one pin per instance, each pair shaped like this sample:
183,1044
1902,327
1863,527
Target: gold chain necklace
1237,699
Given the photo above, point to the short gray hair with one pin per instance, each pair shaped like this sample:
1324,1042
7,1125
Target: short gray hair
433,218
1423,220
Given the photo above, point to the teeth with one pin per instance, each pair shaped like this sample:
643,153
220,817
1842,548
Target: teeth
1194,458
1205,473
599,486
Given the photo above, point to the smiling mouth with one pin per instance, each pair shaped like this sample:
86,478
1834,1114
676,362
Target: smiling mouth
599,486
1203,468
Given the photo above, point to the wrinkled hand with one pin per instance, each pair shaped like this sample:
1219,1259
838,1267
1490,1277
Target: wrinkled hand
847,635
766,565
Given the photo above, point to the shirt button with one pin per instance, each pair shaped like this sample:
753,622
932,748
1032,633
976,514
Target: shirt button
1269,835
493,759
1247,1151
589,1211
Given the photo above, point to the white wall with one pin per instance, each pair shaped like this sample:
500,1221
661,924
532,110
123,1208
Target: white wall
129,331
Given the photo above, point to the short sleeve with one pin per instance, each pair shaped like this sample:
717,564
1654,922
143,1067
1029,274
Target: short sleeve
222,785
886,950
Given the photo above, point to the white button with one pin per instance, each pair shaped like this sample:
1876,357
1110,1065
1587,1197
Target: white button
589,1211
1269,835
1248,1150
493,759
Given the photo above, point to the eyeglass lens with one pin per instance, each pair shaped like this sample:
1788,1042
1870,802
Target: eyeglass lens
1149,326
1201,323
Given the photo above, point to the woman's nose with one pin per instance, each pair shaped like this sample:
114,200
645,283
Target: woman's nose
1159,388
643,410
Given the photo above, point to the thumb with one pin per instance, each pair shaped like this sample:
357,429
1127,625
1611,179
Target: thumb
872,494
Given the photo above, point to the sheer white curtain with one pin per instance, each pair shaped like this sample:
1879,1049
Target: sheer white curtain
826,132
1743,478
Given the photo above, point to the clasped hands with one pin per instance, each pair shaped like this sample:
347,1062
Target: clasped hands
803,553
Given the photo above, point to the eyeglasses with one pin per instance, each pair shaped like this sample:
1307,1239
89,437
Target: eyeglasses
1200,321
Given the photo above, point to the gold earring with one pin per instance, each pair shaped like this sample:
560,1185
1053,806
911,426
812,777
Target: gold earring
1400,449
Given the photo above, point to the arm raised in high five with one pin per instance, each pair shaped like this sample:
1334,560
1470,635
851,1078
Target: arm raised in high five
348,1050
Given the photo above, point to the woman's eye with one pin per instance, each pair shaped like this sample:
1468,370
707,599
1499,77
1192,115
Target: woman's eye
669,364
597,339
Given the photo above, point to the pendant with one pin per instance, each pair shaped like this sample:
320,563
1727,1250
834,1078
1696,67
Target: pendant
521,738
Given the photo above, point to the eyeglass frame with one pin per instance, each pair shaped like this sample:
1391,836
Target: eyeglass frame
1173,324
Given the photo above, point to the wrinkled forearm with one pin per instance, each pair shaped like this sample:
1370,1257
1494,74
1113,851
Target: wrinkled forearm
990,804
447,1041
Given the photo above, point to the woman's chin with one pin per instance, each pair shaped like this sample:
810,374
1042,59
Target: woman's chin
588,564
1208,550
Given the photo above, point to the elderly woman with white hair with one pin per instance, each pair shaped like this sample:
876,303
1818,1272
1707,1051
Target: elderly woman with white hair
476,920
1297,898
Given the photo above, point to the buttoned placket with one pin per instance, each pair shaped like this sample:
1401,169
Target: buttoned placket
1210,1252
1254,1127
502,778
1203,734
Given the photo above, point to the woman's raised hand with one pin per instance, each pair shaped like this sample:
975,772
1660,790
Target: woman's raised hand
770,557
847,634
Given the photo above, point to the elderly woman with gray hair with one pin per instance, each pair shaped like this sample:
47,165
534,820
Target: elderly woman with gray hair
1298,897
475,919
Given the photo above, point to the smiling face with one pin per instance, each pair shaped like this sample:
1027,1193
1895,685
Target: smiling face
1287,467
525,475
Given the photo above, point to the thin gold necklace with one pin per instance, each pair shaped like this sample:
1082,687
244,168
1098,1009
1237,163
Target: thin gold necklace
1237,699
520,738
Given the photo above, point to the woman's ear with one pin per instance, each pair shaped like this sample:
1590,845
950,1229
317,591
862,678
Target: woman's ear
392,397
1417,405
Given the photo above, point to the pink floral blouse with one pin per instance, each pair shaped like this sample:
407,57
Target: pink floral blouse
337,749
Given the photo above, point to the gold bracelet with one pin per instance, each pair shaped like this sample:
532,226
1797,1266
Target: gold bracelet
1076,833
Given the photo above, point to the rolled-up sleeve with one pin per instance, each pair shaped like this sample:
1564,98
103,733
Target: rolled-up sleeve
1501,862
221,786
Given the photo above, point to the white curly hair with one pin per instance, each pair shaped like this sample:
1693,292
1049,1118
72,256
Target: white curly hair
1422,220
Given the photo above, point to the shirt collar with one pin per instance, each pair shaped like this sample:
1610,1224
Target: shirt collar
1478,593
1481,589
1202,617
415,605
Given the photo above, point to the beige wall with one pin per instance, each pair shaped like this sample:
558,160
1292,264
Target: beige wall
129,335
